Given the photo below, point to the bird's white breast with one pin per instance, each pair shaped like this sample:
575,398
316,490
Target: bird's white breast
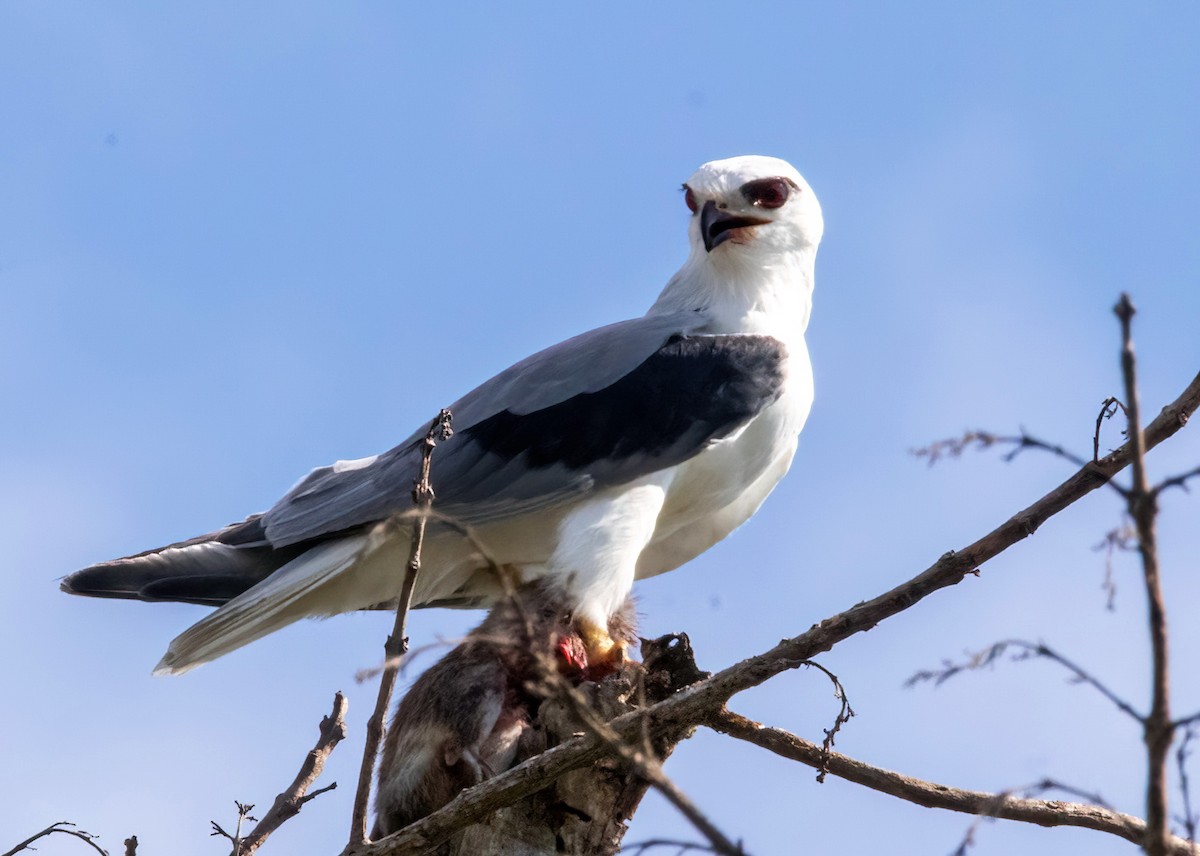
719,489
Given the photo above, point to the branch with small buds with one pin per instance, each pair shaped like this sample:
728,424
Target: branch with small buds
235,837
396,645
64,827
288,804
1092,814
1026,651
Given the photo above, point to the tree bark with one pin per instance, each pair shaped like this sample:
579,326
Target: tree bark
586,811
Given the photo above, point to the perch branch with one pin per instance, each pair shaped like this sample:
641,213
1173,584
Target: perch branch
692,704
646,765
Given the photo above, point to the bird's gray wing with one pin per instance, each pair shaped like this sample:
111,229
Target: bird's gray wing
597,410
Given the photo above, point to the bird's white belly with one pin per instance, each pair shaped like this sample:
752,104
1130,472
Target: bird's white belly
719,489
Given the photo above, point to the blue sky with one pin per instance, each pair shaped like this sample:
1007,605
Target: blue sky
237,242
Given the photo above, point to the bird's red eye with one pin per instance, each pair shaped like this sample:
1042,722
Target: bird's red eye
690,199
767,192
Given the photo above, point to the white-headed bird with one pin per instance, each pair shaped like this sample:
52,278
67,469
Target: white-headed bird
615,455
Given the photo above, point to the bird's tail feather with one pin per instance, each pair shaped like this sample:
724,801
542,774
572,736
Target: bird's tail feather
208,570
268,606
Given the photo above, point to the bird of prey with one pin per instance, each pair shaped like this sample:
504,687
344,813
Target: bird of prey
465,718
616,455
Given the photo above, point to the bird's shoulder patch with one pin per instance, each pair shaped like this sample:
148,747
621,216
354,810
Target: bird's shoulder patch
691,390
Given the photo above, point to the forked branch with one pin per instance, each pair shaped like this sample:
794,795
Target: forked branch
934,795
1143,508
288,804
694,704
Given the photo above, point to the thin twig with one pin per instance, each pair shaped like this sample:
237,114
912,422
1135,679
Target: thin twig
692,704
1027,441
1143,508
934,795
403,662
844,715
989,655
1108,409
680,846
397,643
953,447
1182,753
58,827
243,814
1124,537
288,804
1179,481
982,440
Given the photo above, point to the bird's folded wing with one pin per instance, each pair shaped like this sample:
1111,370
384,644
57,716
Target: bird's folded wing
597,410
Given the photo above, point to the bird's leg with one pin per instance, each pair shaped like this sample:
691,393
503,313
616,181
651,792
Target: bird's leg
604,653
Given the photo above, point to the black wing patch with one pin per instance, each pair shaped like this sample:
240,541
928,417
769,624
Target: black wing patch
691,390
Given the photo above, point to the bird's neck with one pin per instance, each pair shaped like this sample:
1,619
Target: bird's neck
740,293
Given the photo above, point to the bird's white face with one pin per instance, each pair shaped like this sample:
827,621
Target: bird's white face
751,207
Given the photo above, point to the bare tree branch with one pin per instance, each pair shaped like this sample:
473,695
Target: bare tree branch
991,654
61,826
933,795
954,447
397,643
288,804
234,837
694,703
648,767
1143,508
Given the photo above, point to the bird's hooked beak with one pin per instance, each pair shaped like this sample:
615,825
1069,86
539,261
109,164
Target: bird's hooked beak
716,226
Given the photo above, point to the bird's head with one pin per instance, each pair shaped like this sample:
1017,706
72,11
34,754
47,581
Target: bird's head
751,207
